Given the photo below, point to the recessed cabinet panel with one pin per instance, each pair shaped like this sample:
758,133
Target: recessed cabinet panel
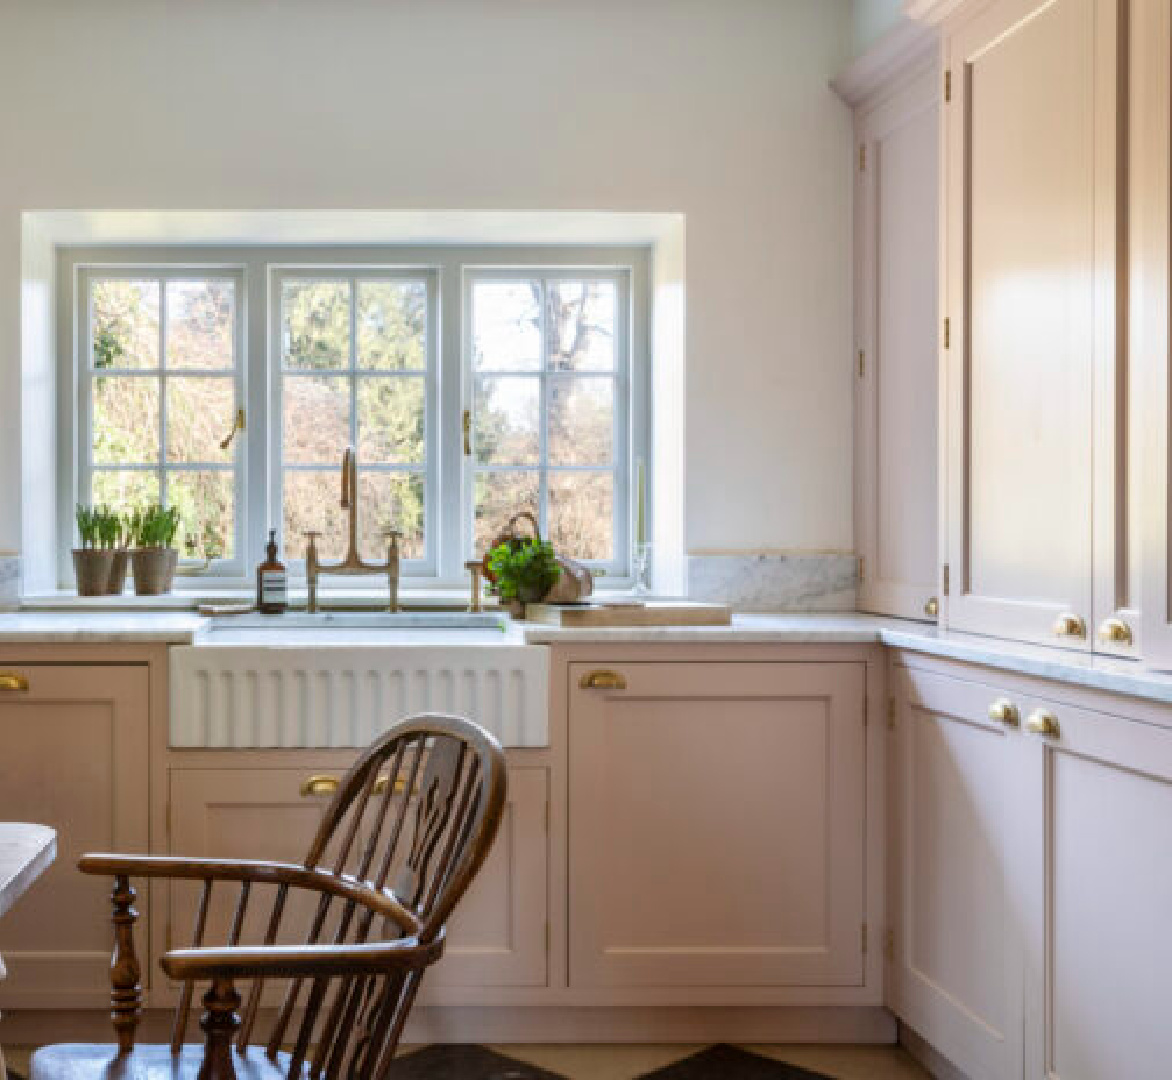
1030,304
717,825
897,329
74,757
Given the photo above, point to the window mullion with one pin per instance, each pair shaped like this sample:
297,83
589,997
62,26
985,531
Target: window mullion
162,377
543,418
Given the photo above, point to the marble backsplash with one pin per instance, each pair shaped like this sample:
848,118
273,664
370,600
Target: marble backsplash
9,582
798,582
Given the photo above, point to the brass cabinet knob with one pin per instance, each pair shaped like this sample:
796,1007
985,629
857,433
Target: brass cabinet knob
1005,712
1043,722
1115,631
12,683
319,784
932,608
602,680
1070,625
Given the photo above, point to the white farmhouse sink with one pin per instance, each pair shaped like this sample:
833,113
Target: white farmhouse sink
339,679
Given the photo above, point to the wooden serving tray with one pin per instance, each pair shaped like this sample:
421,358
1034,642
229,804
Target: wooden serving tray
630,613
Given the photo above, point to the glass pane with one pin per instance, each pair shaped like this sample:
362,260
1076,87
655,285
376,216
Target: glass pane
200,413
581,421
311,502
508,427
581,514
207,512
506,326
500,495
199,324
123,490
315,326
580,325
125,324
316,418
391,420
126,420
392,325
390,500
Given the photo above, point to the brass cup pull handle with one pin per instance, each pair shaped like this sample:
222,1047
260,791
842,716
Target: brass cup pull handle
380,786
319,784
602,680
1043,722
1070,625
932,608
1116,632
1005,712
12,683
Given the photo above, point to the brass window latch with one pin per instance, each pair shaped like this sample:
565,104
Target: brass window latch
467,432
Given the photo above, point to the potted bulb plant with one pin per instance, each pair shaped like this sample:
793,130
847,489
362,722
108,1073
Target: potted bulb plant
154,556
99,530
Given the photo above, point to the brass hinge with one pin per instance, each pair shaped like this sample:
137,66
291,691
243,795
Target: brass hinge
947,333
862,568
889,945
948,85
862,157
946,582
864,937
862,363
891,714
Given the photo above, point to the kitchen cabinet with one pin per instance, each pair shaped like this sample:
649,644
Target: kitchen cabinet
955,942
716,824
497,937
896,319
75,751
1040,543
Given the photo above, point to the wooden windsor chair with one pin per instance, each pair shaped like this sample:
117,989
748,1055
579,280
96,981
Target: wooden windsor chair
419,809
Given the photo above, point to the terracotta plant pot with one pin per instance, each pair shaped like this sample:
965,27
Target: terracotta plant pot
91,569
154,570
118,569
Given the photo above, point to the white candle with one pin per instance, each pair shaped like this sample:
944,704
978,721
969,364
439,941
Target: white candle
640,505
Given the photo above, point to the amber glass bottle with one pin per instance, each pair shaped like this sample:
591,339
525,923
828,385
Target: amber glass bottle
272,589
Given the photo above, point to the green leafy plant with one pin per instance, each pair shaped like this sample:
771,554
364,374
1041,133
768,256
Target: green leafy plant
524,569
108,347
100,527
153,526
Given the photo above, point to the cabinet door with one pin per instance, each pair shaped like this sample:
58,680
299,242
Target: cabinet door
1099,941
75,748
497,936
1030,293
896,271
717,825
956,951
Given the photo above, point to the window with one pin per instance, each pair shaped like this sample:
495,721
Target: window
161,389
471,383
547,359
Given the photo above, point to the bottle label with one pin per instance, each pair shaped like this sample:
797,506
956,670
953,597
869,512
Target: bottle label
272,588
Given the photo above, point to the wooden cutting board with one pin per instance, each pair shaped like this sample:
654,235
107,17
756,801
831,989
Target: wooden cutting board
634,613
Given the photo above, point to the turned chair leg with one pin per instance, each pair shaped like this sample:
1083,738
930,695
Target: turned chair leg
219,1023
125,973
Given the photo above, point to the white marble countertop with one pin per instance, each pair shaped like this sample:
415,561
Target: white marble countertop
1104,673
25,852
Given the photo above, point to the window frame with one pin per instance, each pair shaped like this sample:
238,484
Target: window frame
85,375
450,524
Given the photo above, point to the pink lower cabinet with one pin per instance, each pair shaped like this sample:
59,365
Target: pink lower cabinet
1098,896
716,824
498,935
956,940
73,754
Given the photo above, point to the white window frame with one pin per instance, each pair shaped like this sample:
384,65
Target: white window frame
85,376
617,569
449,492
351,274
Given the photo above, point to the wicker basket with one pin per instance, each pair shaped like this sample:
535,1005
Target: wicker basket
91,569
154,570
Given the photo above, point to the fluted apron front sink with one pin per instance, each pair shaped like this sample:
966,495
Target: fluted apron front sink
338,680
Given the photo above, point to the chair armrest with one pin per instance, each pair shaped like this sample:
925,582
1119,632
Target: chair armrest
302,961
383,901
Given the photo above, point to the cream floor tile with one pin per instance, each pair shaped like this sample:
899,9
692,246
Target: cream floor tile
849,1062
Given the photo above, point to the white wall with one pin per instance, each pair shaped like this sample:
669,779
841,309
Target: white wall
719,111
870,20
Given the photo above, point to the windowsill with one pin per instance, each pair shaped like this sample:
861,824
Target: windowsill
189,600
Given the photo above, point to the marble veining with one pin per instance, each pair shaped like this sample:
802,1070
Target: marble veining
762,583
9,581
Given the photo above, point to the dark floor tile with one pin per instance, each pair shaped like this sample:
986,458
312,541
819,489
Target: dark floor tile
731,1063
464,1063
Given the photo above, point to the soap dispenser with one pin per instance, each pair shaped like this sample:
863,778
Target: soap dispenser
272,590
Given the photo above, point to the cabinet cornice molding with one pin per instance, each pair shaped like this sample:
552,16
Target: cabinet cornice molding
902,50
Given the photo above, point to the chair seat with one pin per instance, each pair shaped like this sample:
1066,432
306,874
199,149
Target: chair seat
91,1061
